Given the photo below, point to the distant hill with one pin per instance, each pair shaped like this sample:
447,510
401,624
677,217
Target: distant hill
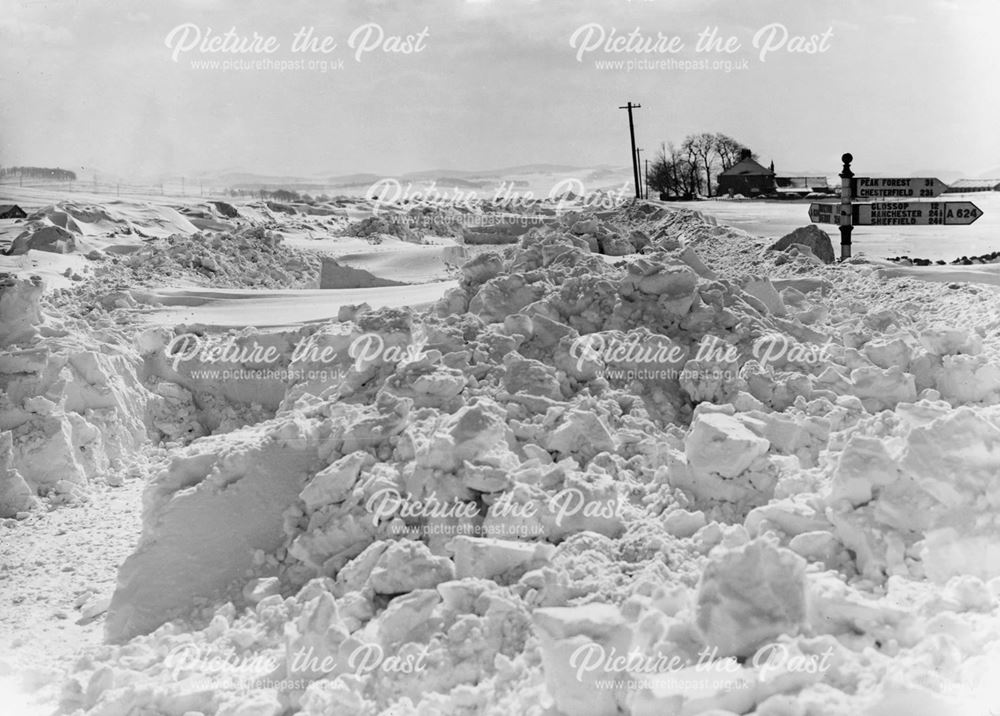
505,171
251,178
993,173
946,175
538,177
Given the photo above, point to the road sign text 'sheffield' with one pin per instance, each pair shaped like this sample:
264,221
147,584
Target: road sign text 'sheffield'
898,213
903,187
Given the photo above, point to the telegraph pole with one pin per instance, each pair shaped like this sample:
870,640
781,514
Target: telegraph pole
647,179
638,163
631,131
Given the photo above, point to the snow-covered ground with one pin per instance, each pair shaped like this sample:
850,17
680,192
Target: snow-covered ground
263,460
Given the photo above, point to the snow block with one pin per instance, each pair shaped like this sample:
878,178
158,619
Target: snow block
812,236
204,517
488,558
20,309
751,595
15,495
575,645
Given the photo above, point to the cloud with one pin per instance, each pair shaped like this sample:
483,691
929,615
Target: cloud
28,34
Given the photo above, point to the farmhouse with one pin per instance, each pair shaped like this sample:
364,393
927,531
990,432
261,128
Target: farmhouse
746,177
11,211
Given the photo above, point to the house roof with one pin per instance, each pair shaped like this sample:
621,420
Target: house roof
745,167
4,208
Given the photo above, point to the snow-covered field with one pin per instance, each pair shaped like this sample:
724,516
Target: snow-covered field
259,460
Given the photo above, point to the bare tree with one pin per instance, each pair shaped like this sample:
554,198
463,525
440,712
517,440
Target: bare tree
728,150
701,148
674,174
684,172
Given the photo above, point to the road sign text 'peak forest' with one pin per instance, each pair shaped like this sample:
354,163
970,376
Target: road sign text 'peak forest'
901,187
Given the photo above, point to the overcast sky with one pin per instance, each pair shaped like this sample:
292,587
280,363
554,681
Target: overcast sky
905,84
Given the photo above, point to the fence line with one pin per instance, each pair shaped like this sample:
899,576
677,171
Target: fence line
119,189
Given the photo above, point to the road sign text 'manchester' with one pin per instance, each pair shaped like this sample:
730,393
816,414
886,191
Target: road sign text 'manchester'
899,213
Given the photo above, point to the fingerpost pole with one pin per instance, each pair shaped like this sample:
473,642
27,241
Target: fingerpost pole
846,208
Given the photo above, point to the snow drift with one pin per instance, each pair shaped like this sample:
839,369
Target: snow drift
634,464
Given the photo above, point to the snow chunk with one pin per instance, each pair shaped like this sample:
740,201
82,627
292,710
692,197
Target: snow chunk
15,495
721,444
763,290
489,558
811,236
950,341
881,389
406,566
682,523
477,432
719,688
582,433
20,309
968,379
888,352
863,465
720,452
335,482
750,595
220,500
570,639
674,285
947,553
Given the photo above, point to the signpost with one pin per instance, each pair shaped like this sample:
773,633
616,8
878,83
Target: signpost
902,188
846,222
847,214
899,213
824,213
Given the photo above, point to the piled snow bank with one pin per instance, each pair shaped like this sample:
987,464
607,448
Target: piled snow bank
650,487
390,224
922,503
247,258
76,413
142,219
73,404
508,232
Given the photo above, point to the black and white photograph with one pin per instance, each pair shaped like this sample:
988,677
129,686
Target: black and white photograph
499,357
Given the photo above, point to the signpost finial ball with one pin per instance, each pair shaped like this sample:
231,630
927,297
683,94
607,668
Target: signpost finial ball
847,158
